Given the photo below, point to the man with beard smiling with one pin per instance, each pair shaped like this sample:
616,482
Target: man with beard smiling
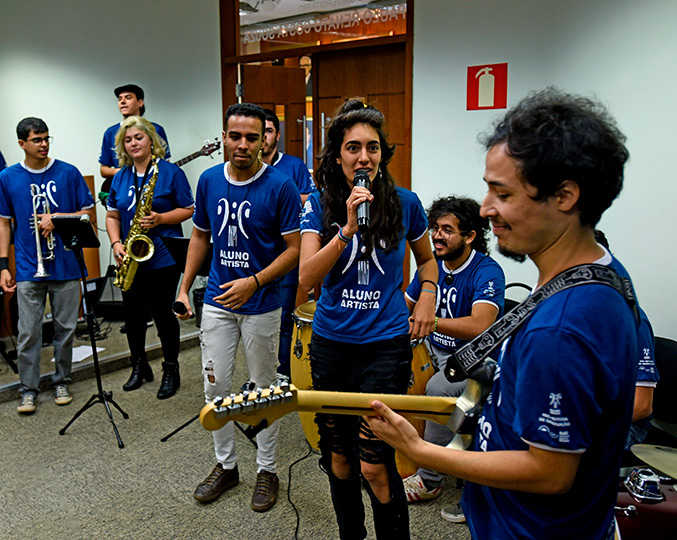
470,298
548,446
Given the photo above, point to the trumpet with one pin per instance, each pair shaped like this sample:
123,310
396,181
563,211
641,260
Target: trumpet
40,200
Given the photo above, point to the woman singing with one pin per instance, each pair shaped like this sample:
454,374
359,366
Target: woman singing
154,285
361,329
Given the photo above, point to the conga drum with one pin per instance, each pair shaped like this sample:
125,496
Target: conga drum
301,375
421,371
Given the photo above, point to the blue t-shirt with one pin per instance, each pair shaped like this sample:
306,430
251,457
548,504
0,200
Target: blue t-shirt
361,299
295,169
247,221
66,192
108,156
171,191
565,382
480,279
647,375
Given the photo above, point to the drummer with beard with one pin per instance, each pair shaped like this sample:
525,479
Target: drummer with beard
471,289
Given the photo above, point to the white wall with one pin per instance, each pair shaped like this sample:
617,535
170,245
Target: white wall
620,51
60,61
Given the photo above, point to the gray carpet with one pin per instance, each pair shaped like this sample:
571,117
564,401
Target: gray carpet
81,486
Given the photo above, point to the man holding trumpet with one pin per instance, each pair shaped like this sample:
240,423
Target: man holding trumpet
31,192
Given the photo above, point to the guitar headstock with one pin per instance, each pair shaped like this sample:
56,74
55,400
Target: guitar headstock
209,148
251,407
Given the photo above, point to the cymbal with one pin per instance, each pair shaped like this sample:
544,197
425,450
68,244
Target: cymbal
662,458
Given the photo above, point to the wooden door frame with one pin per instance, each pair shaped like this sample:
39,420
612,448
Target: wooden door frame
230,58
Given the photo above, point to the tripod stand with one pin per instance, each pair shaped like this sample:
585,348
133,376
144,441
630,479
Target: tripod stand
76,232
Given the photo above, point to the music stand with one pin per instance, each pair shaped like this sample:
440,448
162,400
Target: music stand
76,233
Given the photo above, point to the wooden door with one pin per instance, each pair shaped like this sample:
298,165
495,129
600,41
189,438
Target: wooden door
374,73
269,86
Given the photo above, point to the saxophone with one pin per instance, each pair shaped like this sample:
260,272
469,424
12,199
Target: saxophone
138,245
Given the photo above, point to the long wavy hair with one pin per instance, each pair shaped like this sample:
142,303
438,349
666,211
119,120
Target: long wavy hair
158,144
385,211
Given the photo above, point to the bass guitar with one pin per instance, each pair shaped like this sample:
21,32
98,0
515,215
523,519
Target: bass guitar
207,150
261,407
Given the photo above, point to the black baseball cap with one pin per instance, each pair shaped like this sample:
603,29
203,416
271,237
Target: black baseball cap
133,88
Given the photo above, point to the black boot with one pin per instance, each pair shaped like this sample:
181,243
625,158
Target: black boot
171,381
141,371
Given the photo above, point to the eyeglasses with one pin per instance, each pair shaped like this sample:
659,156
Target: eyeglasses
448,233
37,141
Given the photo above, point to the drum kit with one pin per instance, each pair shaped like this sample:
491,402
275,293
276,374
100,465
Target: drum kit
301,376
646,506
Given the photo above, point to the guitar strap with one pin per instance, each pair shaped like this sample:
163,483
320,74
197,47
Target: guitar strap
468,358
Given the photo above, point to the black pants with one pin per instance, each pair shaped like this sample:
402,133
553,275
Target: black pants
154,290
380,367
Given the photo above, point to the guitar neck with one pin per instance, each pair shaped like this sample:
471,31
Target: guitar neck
434,408
187,159
269,404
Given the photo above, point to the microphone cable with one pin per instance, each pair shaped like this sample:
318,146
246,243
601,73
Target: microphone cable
296,511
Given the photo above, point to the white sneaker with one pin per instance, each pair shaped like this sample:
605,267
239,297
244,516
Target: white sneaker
416,490
61,395
453,513
27,405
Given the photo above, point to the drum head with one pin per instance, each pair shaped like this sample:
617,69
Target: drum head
305,312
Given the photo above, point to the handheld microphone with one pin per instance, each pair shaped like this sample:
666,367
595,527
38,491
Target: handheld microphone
362,180
179,308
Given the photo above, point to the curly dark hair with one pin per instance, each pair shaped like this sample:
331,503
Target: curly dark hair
556,137
385,210
467,211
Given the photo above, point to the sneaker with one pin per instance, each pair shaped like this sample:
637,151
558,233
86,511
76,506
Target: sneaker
218,481
416,490
61,395
265,492
27,404
453,513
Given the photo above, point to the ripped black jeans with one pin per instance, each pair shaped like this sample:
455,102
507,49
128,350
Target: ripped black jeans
379,367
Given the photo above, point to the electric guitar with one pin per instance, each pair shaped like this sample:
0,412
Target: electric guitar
207,150
261,407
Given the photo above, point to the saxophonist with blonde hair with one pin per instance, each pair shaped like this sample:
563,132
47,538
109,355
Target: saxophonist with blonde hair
149,198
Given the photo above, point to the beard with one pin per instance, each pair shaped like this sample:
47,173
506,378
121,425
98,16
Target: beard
452,254
519,257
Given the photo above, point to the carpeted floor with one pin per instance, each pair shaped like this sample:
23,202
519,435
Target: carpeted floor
82,486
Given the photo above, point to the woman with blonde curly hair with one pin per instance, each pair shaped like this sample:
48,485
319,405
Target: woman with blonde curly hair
139,147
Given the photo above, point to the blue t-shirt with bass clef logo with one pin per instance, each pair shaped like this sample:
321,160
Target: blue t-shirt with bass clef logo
62,187
362,300
247,221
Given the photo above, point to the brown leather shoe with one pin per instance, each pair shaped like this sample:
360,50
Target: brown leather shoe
265,492
218,481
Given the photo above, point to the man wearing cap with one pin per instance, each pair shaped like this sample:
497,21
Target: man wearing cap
130,103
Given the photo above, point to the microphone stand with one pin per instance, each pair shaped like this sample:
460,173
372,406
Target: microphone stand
77,233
